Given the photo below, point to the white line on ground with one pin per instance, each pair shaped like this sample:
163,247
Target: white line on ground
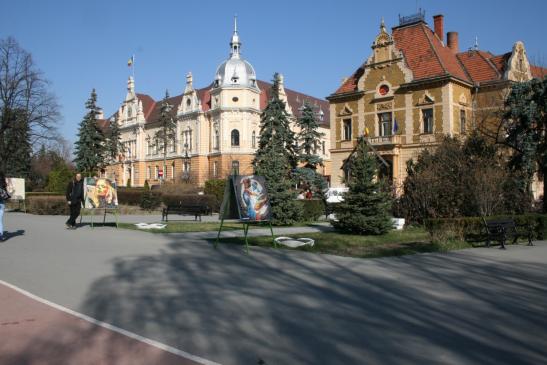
108,326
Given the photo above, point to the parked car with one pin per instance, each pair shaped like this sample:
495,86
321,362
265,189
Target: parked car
335,195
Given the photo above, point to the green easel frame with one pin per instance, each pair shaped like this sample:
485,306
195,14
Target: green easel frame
230,209
91,212
246,225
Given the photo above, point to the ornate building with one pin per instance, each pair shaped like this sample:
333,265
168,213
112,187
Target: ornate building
217,129
416,87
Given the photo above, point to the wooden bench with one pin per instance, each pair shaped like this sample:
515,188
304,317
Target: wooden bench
196,210
500,230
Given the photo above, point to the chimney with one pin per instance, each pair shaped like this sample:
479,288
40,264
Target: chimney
452,41
438,21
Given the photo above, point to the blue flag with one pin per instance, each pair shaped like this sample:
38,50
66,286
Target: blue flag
395,126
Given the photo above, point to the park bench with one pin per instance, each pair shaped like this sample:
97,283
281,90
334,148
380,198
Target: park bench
500,230
197,210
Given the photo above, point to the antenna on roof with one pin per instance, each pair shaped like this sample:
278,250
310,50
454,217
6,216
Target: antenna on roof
476,46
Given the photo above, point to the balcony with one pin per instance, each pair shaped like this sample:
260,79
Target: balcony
385,140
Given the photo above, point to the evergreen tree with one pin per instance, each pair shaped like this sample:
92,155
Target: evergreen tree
367,204
275,128
310,141
17,149
113,142
90,144
276,158
525,122
167,129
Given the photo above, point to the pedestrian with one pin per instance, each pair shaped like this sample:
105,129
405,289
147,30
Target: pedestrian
74,198
309,194
4,196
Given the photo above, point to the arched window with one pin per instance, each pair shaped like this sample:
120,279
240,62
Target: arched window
235,137
253,140
216,141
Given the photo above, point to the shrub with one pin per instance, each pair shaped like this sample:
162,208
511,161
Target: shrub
50,205
59,177
178,189
215,187
472,228
312,209
149,200
130,196
188,199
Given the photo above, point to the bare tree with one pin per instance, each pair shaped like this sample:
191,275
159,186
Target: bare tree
23,88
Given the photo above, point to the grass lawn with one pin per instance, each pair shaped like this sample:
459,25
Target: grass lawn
394,243
183,227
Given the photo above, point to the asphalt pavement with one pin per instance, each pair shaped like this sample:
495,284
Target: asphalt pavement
477,306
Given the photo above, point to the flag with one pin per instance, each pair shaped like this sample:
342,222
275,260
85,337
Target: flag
366,132
130,61
395,126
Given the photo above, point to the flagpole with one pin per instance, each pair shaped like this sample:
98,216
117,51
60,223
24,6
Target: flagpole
133,67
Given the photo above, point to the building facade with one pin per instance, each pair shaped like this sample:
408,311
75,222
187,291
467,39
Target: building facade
217,127
415,88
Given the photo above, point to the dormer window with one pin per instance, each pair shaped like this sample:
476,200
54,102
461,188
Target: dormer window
383,90
235,80
188,102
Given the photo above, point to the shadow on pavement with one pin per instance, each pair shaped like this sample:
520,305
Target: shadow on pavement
283,307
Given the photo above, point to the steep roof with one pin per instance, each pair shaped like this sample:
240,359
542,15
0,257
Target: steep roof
427,57
425,54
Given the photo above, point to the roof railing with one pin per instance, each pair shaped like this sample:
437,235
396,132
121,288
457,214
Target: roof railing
409,19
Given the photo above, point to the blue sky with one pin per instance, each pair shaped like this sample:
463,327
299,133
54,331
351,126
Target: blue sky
80,45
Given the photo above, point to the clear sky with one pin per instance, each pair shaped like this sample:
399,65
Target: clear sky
81,45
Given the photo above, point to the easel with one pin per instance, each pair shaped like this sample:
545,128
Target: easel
246,223
114,211
231,209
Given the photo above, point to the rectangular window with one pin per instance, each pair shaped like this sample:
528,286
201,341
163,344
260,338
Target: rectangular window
462,121
347,129
323,146
384,120
427,116
157,172
149,173
235,167
215,169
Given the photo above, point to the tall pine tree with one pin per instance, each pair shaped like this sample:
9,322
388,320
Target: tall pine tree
366,206
113,142
310,141
165,136
17,149
276,158
90,149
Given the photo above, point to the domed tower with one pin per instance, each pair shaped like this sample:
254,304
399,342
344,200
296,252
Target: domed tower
235,83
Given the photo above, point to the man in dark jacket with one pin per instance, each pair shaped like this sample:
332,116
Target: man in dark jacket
74,198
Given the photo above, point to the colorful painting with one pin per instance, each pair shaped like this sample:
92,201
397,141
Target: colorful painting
100,193
252,198
16,188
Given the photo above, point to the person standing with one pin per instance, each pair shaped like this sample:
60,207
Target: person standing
4,196
75,198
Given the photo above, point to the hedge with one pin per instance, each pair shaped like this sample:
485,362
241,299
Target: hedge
311,209
130,196
189,199
472,228
50,205
215,187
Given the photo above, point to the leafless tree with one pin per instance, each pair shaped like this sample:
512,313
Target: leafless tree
24,88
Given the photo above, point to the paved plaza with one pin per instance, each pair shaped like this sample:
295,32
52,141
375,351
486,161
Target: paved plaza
479,306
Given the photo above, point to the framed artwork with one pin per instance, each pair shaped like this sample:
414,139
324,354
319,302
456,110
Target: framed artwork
100,193
16,188
252,198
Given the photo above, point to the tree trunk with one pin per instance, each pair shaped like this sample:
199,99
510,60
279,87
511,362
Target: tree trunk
544,199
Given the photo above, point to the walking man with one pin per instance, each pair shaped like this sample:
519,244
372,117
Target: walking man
75,198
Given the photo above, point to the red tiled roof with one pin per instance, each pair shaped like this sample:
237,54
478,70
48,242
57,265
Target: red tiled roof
479,66
295,101
425,54
148,104
538,72
154,114
351,83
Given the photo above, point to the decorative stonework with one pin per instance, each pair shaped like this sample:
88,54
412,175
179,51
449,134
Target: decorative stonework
384,106
345,111
426,99
518,67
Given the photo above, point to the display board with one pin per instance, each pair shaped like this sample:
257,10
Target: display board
16,188
100,193
246,198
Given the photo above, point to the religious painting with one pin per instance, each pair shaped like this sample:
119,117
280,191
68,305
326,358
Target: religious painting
100,193
252,198
15,188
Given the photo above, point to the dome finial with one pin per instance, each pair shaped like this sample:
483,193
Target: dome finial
235,44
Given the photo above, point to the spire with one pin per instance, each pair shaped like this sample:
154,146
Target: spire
235,45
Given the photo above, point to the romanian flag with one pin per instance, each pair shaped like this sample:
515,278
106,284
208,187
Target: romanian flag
130,61
366,132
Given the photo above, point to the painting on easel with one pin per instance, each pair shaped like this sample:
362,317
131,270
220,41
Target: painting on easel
252,198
